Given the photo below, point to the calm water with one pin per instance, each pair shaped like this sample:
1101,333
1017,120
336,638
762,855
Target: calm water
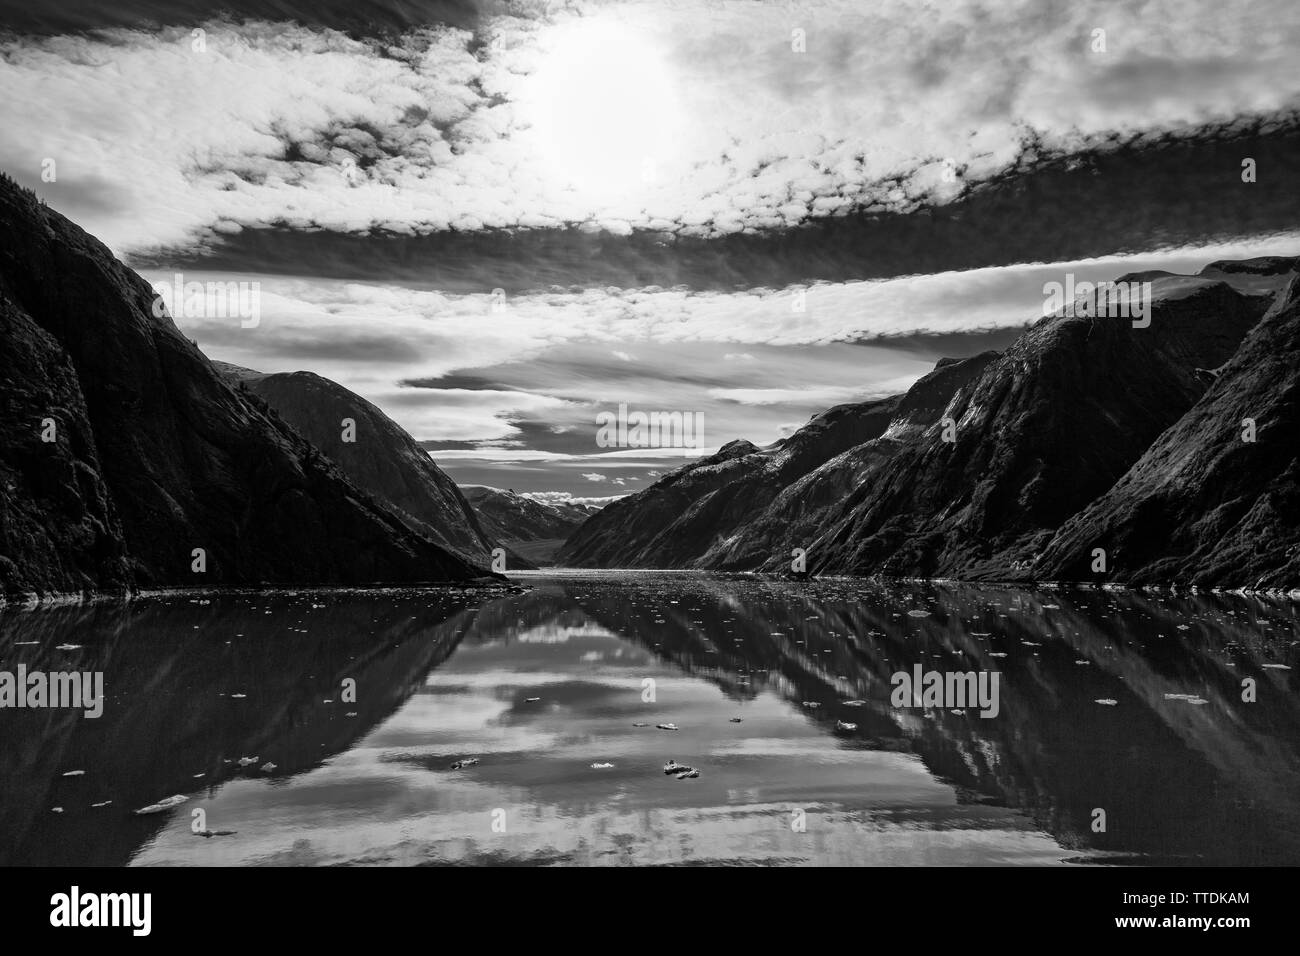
192,686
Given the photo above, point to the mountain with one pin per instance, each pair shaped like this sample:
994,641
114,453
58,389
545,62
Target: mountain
1047,427
985,462
1203,505
531,528
382,458
153,454
701,514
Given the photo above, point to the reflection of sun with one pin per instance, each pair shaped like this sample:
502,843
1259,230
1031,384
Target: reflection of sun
603,110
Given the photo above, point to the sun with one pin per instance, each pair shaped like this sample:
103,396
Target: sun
603,109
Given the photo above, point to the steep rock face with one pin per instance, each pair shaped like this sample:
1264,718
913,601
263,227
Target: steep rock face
181,458
58,525
689,517
1045,429
799,514
382,458
1203,506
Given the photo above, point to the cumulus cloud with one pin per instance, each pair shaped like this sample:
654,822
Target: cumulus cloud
693,118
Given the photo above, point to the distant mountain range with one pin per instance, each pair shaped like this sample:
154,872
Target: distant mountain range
1093,449
533,529
127,460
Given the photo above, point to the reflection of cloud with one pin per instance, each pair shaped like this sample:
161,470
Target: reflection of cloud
890,106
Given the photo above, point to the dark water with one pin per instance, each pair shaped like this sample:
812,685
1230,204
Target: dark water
1198,778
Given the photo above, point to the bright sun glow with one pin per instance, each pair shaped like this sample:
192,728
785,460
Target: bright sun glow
604,110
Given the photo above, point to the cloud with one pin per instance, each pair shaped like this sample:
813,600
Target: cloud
890,107
592,476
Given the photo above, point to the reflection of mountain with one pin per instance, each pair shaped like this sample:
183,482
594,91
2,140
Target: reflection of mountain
1052,751
1007,467
168,670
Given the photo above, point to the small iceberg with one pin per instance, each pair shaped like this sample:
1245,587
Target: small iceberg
845,726
601,766
462,764
162,805
666,726
1108,701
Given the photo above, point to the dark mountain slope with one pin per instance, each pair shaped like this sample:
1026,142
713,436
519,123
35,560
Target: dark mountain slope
678,519
187,462
1203,506
383,459
797,516
1045,429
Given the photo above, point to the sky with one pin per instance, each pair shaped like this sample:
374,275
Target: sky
497,220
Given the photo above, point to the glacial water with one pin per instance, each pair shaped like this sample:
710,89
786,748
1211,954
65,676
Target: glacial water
317,728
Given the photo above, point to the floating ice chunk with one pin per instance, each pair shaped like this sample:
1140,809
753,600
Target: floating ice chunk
462,764
1108,701
666,726
918,613
75,773
601,766
845,726
161,805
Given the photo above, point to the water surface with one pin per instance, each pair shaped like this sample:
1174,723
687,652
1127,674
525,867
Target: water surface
539,687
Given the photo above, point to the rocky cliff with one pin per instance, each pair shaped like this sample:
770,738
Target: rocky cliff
153,455
374,451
